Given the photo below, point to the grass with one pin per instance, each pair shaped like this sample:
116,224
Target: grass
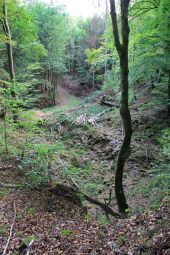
154,188
75,108
3,230
58,109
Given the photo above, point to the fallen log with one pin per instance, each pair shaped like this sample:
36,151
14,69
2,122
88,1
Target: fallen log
77,191
9,186
109,104
108,210
4,168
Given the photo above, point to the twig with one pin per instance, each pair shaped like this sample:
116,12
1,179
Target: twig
5,136
27,249
26,183
147,157
3,168
68,176
9,186
105,207
11,229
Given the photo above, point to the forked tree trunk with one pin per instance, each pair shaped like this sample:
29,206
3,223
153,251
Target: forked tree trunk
122,49
7,32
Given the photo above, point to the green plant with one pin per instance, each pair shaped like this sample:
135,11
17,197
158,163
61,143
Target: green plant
30,210
121,239
19,234
65,232
3,230
102,219
28,239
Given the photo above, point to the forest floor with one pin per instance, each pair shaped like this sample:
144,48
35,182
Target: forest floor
89,136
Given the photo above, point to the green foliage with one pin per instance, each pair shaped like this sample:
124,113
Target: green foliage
122,239
165,141
3,230
52,32
156,188
103,220
28,239
149,58
65,232
30,210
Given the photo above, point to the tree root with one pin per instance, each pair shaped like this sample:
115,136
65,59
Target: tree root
62,190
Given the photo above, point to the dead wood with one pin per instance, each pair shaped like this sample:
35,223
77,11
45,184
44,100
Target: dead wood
11,229
63,189
76,190
109,104
4,168
9,186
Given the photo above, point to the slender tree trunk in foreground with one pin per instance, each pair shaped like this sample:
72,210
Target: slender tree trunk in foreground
7,32
169,93
122,49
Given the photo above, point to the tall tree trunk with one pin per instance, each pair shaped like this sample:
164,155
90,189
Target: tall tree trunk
169,93
122,49
7,32
106,51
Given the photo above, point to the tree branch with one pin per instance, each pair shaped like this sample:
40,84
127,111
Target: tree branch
107,209
9,186
115,25
11,229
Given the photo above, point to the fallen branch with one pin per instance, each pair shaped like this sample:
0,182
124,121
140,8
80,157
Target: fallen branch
109,104
3,168
29,247
77,190
25,248
105,207
9,186
65,168
91,120
103,112
66,189
11,229
29,185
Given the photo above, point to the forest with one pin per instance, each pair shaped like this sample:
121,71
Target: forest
85,128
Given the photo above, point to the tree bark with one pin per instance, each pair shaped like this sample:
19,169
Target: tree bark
7,32
122,49
169,93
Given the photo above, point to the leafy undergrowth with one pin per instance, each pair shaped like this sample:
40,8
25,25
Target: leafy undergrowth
58,227
86,153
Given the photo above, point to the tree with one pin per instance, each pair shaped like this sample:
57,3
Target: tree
122,49
7,33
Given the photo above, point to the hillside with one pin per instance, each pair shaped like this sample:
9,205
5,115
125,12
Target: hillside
61,222
84,127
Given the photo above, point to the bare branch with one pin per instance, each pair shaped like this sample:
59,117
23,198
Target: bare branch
143,9
140,14
11,229
9,186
